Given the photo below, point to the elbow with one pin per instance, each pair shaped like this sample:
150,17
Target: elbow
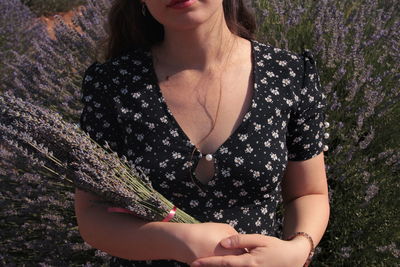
84,230
87,216
85,222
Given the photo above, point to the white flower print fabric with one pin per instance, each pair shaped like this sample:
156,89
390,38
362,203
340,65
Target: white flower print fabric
123,105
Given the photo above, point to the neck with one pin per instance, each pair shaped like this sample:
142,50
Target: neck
197,48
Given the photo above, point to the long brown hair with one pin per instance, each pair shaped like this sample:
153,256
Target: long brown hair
127,28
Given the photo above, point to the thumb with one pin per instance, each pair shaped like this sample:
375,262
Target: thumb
243,241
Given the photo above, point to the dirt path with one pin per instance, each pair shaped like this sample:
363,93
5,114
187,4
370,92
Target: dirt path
66,16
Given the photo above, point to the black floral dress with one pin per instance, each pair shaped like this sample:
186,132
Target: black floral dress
123,105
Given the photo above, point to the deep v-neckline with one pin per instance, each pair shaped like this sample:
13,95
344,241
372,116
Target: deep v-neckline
175,123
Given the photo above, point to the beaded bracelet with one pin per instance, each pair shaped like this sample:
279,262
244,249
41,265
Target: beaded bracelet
308,261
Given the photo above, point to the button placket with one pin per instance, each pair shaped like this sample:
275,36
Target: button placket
197,156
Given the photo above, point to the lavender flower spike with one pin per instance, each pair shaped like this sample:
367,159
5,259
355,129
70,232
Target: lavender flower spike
70,154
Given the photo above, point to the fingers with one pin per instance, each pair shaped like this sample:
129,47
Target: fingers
221,251
244,241
226,261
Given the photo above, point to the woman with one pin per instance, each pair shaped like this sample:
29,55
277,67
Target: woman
226,127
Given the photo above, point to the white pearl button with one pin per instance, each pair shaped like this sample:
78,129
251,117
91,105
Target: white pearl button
326,124
209,157
326,148
326,135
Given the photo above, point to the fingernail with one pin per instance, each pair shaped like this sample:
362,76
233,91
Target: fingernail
226,243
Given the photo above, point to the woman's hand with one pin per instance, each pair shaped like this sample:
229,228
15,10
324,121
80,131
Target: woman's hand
203,240
265,251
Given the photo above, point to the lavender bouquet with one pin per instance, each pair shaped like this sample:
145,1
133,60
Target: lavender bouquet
69,154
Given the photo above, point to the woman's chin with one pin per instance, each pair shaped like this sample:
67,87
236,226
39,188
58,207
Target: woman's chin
184,24
191,20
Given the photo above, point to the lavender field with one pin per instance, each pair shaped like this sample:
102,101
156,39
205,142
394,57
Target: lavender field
356,44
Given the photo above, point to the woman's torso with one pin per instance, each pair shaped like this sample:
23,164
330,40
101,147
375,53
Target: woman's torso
249,164
209,105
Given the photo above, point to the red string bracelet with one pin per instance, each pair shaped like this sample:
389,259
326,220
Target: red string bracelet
167,218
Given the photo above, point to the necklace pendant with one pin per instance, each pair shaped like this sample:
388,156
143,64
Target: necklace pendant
209,157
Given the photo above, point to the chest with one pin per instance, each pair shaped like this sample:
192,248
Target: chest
209,109
164,121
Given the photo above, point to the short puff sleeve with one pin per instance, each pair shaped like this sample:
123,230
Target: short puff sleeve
99,117
305,138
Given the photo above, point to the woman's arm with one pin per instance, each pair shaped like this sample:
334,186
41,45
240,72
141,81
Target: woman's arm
129,237
305,200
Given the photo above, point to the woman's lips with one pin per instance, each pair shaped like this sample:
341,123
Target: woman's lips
180,3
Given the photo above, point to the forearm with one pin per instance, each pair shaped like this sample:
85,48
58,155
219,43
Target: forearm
310,214
128,237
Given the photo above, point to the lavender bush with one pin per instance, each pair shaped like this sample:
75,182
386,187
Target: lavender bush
37,221
356,44
50,74
16,30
